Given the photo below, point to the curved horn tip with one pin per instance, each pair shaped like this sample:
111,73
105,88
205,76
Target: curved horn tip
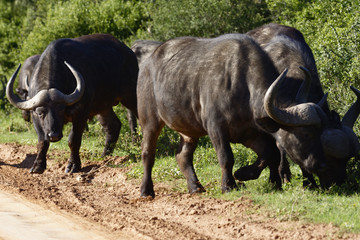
304,68
282,75
280,78
12,79
322,102
355,90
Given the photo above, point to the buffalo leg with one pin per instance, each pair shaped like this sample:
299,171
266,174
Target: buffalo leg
225,158
268,156
309,180
284,167
132,124
148,149
252,171
184,158
112,126
74,142
39,165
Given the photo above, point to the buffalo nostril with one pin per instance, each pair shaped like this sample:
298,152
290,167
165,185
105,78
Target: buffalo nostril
54,137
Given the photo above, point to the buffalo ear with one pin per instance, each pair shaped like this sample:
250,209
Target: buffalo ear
268,124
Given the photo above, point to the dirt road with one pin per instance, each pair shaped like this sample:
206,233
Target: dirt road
104,204
23,220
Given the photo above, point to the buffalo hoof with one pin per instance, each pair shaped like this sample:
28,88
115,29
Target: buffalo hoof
285,178
72,168
229,185
37,170
227,189
197,190
148,195
147,190
195,187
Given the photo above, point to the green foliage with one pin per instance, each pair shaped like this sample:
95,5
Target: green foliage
205,18
10,22
67,19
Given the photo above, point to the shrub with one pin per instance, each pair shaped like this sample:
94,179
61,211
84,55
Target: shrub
68,19
206,18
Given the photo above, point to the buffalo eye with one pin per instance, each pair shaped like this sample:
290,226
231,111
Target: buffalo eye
40,111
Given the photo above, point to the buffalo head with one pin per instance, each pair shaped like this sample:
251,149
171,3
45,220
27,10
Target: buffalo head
340,143
48,105
297,127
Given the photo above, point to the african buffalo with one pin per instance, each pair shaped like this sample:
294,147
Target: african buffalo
143,49
24,77
287,48
228,88
74,80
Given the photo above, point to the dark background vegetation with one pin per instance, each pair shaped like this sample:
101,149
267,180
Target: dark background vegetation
332,29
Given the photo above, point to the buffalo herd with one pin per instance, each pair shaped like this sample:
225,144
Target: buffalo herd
260,89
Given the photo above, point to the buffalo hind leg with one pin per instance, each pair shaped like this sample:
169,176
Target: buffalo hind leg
111,125
225,158
184,158
74,142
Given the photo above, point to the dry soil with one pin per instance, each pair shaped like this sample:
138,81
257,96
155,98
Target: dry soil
102,203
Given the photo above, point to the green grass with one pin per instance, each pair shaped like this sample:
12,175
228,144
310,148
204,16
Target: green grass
338,205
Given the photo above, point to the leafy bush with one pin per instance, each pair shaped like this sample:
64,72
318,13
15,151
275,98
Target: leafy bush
207,18
10,22
67,19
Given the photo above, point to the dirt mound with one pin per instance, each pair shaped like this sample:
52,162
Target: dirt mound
104,197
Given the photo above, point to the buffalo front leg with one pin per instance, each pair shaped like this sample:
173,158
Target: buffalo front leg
148,149
252,171
309,181
184,158
268,156
74,142
39,165
112,126
132,124
284,167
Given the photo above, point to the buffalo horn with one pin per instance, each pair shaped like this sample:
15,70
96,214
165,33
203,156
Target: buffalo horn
46,95
299,115
79,90
27,87
353,112
15,100
304,90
